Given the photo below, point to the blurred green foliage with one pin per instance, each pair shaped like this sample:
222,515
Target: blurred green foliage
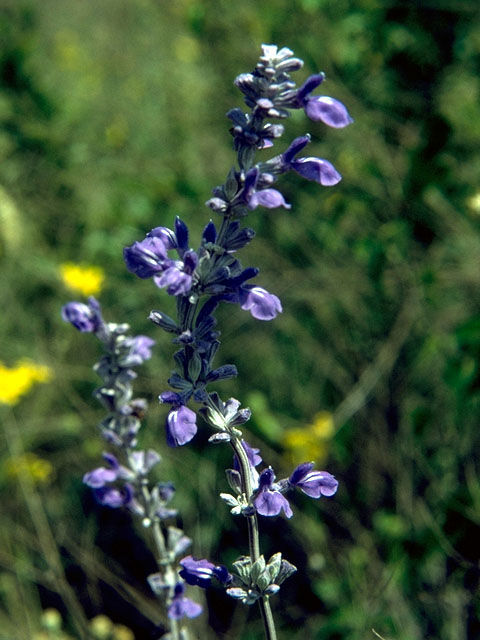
113,121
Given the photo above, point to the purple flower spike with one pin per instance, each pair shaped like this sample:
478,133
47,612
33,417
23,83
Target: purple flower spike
81,316
261,304
317,169
313,483
181,426
330,111
181,606
268,501
146,258
201,572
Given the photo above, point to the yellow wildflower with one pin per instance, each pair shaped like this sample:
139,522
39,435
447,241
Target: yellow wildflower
87,280
309,443
322,425
39,470
17,381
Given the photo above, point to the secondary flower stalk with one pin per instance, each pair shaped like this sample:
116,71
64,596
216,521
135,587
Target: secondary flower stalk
127,484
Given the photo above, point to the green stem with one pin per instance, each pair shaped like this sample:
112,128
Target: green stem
267,617
252,521
169,573
190,315
253,535
163,556
223,229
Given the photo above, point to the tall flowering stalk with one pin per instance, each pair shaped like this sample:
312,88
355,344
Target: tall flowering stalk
202,279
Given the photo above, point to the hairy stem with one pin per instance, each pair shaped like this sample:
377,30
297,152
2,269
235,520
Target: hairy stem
253,535
164,560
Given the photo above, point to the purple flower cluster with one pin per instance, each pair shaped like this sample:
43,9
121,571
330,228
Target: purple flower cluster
201,572
149,258
181,606
85,318
117,485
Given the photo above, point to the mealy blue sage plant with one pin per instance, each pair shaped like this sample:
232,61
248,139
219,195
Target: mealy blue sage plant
200,280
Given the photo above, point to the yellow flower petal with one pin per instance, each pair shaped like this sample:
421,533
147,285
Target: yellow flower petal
16,381
39,470
323,426
84,279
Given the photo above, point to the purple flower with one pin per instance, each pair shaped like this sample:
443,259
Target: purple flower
317,169
269,198
328,110
99,477
268,501
166,491
261,304
181,426
182,606
85,318
313,483
114,497
166,235
143,461
201,572
252,455
176,281
170,397
177,276
146,258
253,458
138,351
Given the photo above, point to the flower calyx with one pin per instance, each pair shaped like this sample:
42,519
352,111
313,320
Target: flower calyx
259,579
